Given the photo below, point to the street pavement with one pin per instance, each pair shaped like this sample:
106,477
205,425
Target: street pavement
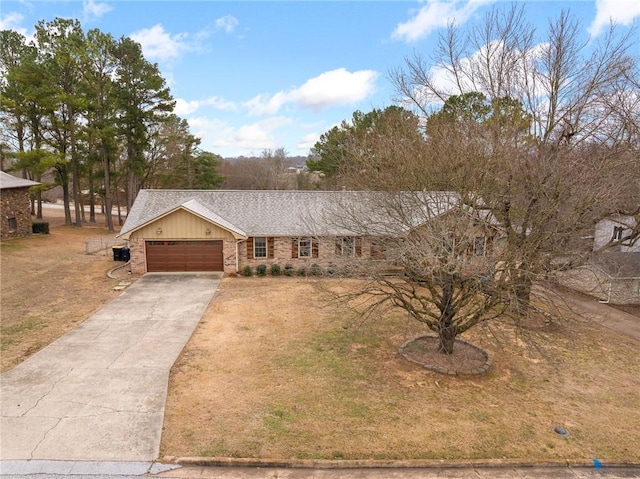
98,393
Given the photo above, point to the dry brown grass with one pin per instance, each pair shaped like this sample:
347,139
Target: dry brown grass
48,286
272,372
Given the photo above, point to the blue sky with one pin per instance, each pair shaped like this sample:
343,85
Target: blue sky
255,75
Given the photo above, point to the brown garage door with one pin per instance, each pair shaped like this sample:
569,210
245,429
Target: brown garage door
184,256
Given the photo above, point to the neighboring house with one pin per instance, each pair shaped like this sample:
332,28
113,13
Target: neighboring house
15,206
219,230
613,234
613,273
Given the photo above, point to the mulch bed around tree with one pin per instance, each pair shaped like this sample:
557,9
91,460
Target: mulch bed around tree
466,358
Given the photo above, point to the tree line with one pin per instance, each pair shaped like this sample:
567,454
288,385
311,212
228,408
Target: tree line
99,115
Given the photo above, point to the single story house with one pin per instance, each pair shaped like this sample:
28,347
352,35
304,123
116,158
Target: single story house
15,205
222,230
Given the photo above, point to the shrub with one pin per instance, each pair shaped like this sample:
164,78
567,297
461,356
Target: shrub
331,269
302,271
261,270
246,271
315,270
275,270
288,270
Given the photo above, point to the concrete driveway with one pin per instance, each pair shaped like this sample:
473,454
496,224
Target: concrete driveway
98,393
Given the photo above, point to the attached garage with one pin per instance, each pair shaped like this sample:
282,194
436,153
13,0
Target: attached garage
187,237
165,256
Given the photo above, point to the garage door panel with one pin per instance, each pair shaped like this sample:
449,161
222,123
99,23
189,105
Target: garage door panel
184,256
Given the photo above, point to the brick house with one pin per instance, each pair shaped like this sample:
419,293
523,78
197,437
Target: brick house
15,204
221,230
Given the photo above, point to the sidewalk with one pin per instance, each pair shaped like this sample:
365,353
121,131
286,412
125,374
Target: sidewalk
448,472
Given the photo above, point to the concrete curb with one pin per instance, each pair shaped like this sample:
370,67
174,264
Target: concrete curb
389,464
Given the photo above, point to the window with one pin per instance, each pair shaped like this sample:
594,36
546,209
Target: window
304,248
345,246
13,224
349,246
479,246
260,247
618,232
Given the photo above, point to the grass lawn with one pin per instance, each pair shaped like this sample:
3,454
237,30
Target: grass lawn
48,286
273,372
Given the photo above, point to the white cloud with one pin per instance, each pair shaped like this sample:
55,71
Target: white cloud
332,88
184,107
622,12
12,21
159,44
436,14
228,23
222,138
336,87
307,141
91,9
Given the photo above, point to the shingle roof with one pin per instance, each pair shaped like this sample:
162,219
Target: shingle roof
260,213
9,181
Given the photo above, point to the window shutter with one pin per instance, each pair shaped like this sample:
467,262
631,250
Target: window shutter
358,247
314,248
338,246
489,245
250,248
294,247
270,247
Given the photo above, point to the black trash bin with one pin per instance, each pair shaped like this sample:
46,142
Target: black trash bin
117,252
126,254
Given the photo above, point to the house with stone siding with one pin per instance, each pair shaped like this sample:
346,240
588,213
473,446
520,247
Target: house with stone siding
15,205
221,230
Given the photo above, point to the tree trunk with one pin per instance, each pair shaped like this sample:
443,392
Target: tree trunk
75,176
39,205
447,330
107,188
447,340
92,200
522,296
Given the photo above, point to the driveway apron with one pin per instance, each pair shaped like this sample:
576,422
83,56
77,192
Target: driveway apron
98,393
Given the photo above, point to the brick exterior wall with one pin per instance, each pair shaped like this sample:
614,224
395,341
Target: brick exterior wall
283,254
281,250
138,256
15,205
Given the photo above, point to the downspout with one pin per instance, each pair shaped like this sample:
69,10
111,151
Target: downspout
606,301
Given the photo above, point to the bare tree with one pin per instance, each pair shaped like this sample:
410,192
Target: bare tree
549,155
448,255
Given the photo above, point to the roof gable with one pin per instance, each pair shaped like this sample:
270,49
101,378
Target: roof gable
191,206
